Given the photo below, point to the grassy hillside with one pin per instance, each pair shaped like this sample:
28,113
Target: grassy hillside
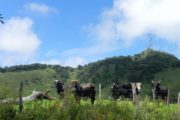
33,80
144,67
171,79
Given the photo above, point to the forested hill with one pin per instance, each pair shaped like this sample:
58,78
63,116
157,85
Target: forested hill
148,65
143,67
140,67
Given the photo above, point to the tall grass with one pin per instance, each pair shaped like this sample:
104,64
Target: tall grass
69,109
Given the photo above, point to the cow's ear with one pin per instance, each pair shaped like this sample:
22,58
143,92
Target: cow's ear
152,81
159,81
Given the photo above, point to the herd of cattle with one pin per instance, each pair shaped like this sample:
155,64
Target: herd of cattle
118,90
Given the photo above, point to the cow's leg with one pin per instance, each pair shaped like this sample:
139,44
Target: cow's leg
166,100
92,96
78,99
92,100
158,100
61,95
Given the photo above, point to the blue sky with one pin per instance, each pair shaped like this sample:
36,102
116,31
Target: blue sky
70,32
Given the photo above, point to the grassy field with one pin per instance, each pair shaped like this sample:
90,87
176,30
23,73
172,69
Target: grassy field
42,80
39,80
69,109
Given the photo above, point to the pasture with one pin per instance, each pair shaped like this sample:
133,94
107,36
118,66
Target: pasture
69,109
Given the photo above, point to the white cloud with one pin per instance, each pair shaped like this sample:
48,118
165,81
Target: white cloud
74,61
19,43
51,61
130,19
40,8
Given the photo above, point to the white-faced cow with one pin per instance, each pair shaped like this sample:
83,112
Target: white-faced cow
85,90
125,90
159,92
59,87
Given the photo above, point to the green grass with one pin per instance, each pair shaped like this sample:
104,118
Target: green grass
69,109
39,80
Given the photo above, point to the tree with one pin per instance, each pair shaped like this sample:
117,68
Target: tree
1,19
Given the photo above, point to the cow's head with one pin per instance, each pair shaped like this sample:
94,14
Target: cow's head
58,81
116,86
155,85
138,86
75,85
113,85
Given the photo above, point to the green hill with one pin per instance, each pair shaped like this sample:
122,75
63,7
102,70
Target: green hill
144,67
140,67
35,77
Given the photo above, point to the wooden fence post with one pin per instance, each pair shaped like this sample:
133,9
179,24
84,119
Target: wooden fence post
179,98
20,97
168,97
100,91
154,96
134,92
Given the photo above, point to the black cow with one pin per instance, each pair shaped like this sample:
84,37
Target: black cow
159,92
86,90
125,90
59,87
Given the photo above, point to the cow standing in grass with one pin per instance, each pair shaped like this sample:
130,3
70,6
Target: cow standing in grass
85,90
125,90
159,92
59,87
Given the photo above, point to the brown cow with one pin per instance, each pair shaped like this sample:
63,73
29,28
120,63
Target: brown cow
85,90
